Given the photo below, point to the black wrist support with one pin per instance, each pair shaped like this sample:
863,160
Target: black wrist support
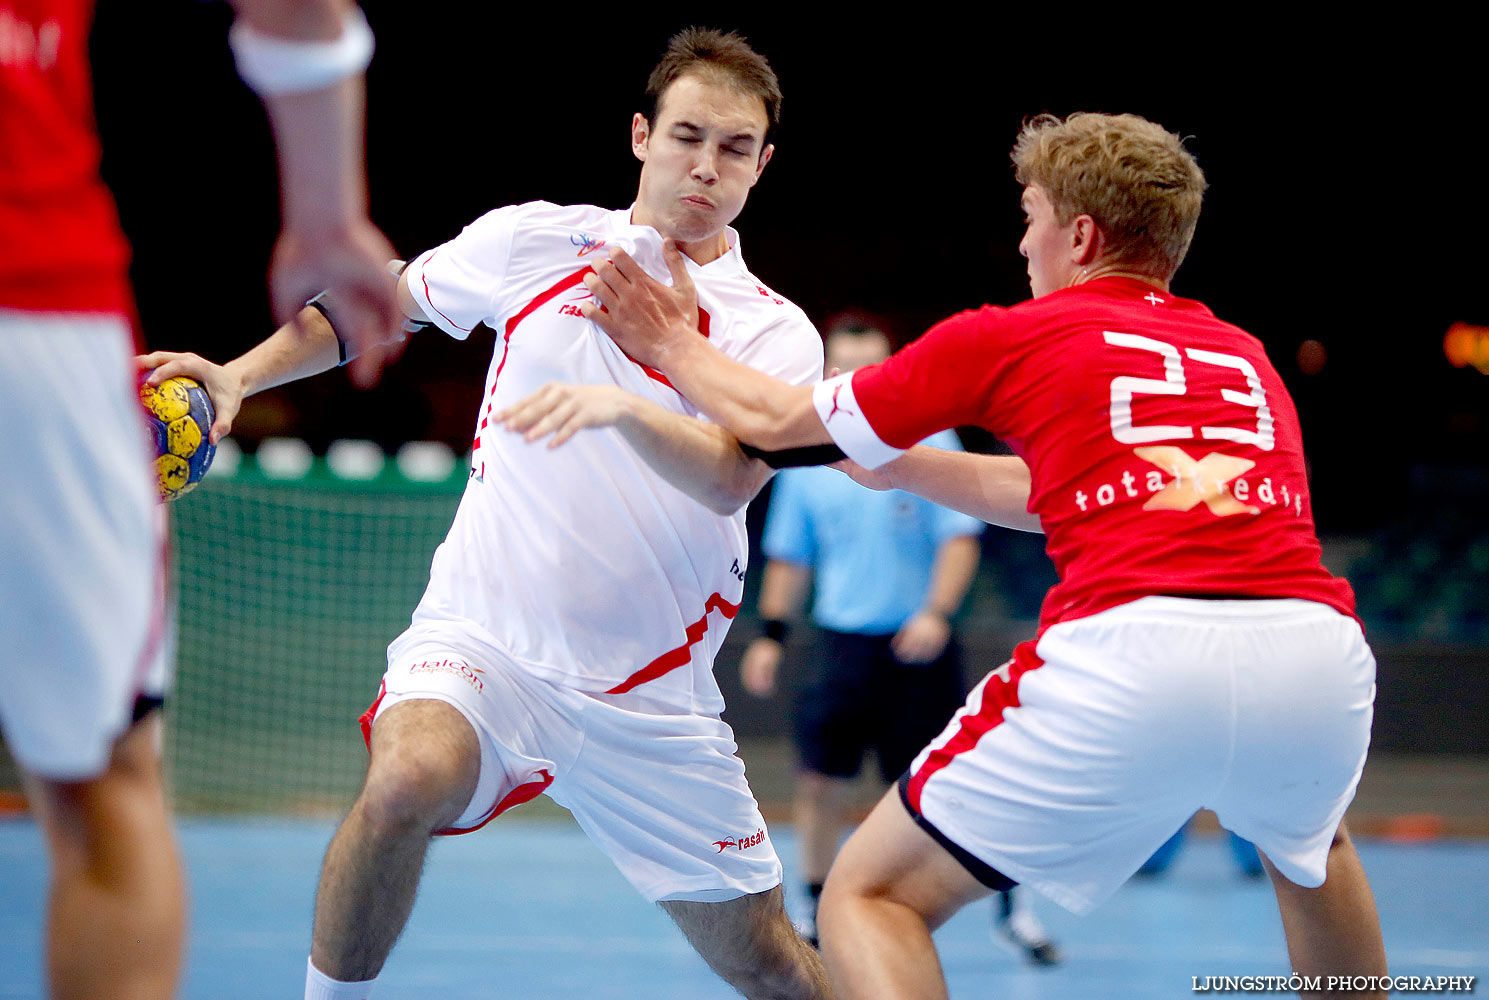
788,458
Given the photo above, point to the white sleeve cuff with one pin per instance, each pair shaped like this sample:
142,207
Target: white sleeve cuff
844,420
420,291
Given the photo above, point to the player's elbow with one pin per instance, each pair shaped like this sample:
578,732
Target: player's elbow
732,495
724,505
732,491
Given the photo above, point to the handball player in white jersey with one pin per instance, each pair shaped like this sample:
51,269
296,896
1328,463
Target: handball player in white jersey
565,643
86,635
1195,652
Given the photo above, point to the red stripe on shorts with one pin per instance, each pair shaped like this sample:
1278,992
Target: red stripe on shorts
365,721
674,658
525,792
1000,693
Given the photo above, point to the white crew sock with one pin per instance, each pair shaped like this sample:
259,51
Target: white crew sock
319,986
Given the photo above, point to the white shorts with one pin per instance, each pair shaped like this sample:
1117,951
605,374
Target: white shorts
661,792
84,629
1070,764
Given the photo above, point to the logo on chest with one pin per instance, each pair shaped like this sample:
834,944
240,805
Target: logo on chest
586,243
571,307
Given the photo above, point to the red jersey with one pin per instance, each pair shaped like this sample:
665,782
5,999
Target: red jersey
1165,451
61,247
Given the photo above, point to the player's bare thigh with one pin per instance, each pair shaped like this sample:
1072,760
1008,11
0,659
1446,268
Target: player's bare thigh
426,760
890,858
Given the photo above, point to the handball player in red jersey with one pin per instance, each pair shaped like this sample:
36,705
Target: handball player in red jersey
86,633
1194,653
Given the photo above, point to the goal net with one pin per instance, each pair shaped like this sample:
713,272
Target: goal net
290,590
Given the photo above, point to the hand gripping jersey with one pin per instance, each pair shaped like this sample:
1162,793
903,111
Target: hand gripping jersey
580,562
61,248
1165,451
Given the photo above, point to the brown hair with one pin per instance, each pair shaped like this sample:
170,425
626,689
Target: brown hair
723,56
1134,178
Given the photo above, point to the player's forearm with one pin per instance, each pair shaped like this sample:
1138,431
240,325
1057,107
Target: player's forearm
783,589
992,488
757,408
701,459
318,132
952,574
294,351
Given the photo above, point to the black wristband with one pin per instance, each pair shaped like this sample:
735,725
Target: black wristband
789,458
775,629
319,304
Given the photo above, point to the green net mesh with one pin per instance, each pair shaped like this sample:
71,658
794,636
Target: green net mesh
289,594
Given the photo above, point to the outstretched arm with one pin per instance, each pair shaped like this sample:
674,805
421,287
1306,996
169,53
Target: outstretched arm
701,459
305,346
657,325
991,488
305,59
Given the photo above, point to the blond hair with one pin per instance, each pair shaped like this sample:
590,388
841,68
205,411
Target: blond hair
1134,178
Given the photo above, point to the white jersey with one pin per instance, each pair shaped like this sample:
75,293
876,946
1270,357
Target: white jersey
580,562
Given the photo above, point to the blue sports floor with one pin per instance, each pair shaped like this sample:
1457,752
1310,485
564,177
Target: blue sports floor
529,909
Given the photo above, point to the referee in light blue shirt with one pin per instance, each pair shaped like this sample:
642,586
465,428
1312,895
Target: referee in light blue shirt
872,553
889,569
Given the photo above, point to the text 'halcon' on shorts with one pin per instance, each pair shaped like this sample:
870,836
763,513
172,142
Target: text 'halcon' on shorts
1071,763
661,792
84,623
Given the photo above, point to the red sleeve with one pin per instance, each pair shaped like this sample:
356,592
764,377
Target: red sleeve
942,379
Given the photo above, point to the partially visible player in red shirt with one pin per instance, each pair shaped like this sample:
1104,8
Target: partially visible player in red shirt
84,627
1194,654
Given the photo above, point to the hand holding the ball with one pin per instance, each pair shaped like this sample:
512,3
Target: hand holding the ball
179,414
224,387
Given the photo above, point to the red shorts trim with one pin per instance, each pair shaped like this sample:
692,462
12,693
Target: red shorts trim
525,792
1000,692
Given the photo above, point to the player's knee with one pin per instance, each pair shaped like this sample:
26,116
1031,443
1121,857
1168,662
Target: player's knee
853,890
421,783
423,791
849,881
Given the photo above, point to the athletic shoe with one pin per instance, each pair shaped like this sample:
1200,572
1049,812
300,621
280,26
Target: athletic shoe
1017,928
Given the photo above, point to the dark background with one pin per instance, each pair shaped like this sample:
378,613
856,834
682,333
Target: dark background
1344,161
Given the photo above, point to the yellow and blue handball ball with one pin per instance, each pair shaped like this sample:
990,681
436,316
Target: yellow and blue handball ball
181,416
